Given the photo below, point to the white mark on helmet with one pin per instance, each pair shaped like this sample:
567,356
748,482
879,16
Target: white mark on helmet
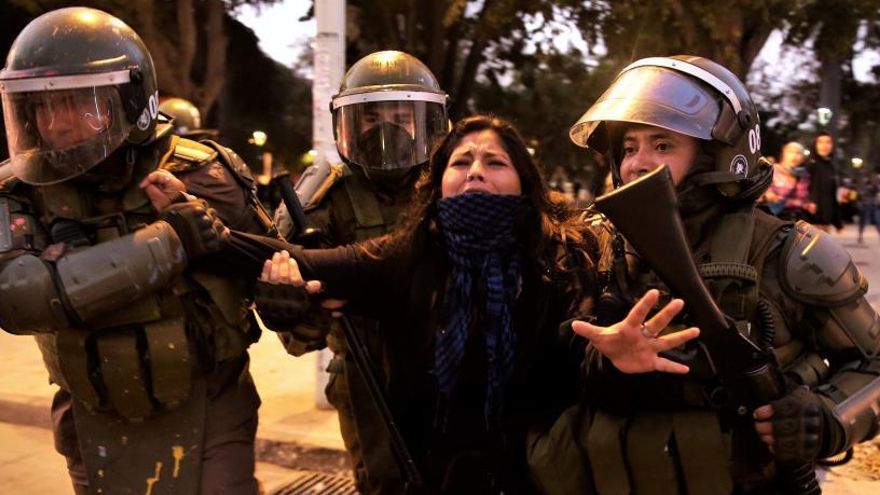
739,166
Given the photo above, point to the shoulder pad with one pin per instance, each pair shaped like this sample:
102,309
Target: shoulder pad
232,161
316,181
188,155
816,270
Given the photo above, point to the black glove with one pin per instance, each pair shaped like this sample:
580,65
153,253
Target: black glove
281,306
198,227
797,426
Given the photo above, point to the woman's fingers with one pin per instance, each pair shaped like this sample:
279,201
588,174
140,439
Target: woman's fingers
764,428
587,330
675,339
640,311
763,413
668,366
282,269
313,286
265,275
274,273
663,317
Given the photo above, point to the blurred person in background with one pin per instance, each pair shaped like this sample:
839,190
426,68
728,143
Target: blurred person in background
824,181
868,187
788,197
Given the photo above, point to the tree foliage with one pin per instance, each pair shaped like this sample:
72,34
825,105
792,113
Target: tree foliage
194,43
731,33
186,38
453,37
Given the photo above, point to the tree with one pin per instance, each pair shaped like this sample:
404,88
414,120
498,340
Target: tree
832,28
262,94
453,37
547,93
731,33
258,94
187,39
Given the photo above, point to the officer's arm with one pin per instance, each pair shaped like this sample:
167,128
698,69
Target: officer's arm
817,271
42,296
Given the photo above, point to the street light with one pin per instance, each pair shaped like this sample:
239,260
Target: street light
856,162
824,115
259,138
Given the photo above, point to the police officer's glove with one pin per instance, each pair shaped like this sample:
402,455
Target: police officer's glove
797,426
198,227
281,306
310,334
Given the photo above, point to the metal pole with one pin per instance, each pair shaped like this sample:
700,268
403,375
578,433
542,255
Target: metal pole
329,69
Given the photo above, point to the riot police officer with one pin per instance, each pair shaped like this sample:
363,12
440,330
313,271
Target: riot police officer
789,288
186,119
146,343
387,115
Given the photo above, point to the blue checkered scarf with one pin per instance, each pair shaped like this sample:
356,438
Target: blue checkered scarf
480,242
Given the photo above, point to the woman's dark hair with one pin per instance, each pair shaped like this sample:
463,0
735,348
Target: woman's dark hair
545,218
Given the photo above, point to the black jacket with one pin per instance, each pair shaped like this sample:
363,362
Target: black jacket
823,191
405,293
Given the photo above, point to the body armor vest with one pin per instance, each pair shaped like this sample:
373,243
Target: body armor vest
139,359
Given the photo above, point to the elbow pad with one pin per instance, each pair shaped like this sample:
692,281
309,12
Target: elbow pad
29,299
115,273
859,414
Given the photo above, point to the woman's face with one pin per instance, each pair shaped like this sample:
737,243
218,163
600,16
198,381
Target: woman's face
480,164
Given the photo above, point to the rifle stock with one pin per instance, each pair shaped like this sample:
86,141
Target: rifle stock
747,373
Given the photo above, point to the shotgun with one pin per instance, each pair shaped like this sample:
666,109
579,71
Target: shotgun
748,375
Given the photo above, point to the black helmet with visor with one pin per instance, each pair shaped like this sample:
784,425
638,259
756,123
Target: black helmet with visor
689,95
78,83
388,113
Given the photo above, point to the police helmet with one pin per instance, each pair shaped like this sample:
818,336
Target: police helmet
186,117
78,83
388,113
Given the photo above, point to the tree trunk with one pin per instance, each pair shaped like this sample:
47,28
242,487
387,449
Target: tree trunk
186,32
215,66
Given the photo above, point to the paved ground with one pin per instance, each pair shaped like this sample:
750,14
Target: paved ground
289,422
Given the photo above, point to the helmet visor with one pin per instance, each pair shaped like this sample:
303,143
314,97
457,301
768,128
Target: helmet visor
389,135
57,135
653,96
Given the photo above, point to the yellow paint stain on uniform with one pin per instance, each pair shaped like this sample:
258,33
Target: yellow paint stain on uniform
152,481
178,455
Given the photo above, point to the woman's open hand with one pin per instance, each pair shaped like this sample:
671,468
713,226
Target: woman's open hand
633,345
